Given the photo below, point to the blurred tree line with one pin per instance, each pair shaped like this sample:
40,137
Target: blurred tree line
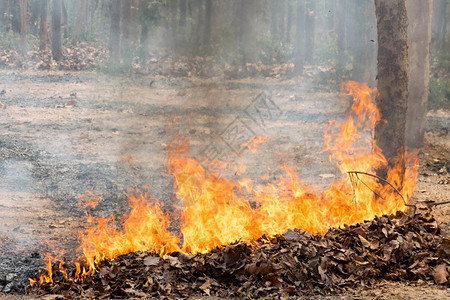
241,32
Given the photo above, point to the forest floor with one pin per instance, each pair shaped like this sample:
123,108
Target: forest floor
65,133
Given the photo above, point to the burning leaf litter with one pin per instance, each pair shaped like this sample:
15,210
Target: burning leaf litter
214,214
400,247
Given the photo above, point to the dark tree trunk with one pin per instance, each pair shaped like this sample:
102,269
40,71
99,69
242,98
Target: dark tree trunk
144,33
56,30
247,34
126,29
183,8
419,37
441,30
65,24
310,28
23,26
299,60
289,22
134,15
392,99
43,26
282,21
114,33
78,21
14,14
274,22
207,29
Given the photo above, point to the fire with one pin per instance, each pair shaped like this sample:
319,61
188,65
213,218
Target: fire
214,212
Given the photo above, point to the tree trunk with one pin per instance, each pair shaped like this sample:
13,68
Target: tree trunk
207,29
247,34
282,21
64,23
183,8
56,30
274,16
78,21
43,26
441,33
114,33
419,37
392,99
126,29
289,22
309,34
23,26
299,60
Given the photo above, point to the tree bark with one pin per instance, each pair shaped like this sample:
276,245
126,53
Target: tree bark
64,20
114,32
23,26
43,26
183,8
126,29
392,96
299,60
310,28
419,38
289,22
207,29
56,30
247,34
78,21
441,33
274,20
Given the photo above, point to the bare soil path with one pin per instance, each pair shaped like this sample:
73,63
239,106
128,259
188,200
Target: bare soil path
62,134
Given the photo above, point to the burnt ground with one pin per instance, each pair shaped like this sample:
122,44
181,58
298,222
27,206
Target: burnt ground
62,134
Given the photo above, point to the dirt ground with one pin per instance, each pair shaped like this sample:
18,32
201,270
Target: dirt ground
62,134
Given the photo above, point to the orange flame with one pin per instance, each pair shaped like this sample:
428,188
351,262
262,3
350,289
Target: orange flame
214,213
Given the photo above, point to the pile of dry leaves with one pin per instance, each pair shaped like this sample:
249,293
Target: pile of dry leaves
75,58
399,247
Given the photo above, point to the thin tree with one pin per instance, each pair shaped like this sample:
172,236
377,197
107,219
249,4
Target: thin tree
114,32
441,33
43,24
247,35
207,28
183,8
56,30
310,29
126,29
78,21
300,33
143,9
23,26
419,38
289,21
392,96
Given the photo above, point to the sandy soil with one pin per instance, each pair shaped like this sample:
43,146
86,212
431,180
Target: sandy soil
62,134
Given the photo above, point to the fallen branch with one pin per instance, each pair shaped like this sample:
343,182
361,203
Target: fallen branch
385,181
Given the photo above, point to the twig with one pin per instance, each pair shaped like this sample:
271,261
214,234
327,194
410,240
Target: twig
440,203
444,232
385,181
